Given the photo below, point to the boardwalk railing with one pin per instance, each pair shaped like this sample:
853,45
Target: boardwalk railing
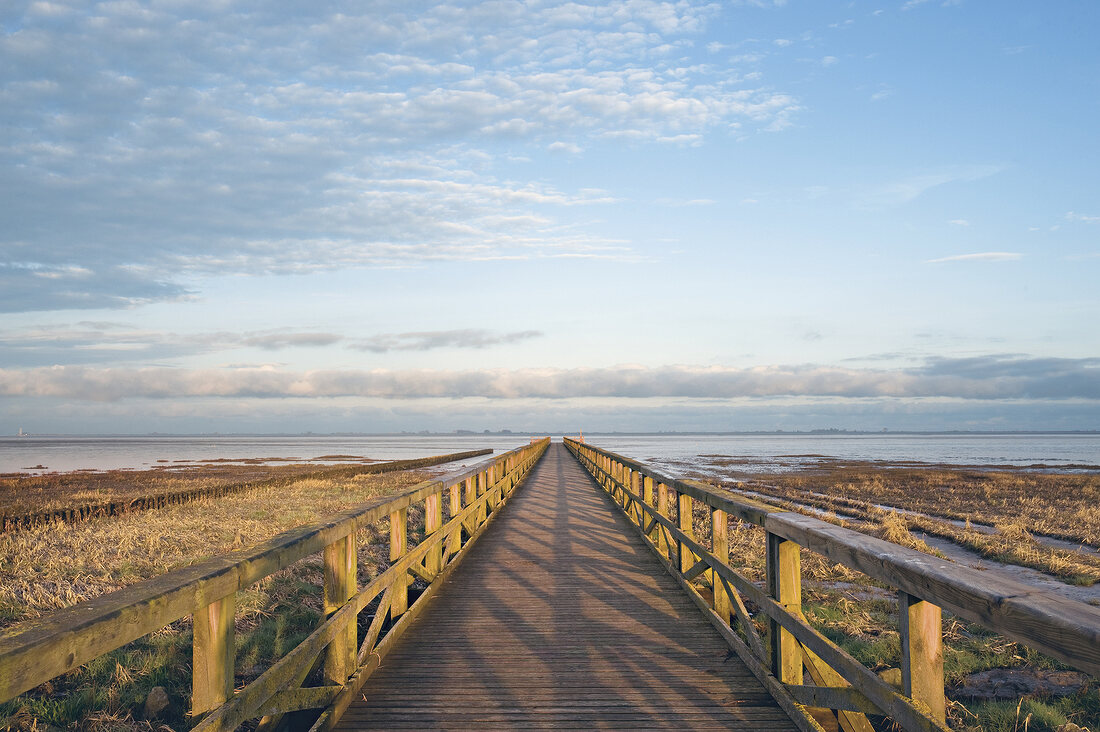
71,637
1064,629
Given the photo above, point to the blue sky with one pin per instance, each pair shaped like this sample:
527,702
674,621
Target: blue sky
234,216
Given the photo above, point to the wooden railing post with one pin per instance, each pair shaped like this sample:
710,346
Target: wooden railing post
470,485
649,500
341,567
720,547
687,526
433,520
636,489
663,510
784,569
922,653
213,655
399,544
454,542
482,488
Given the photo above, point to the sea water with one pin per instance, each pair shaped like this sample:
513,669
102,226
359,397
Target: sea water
753,452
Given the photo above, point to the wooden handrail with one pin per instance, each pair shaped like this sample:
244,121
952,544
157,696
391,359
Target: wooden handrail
35,652
1064,629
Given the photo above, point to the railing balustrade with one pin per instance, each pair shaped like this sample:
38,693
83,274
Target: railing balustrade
43,649
843,690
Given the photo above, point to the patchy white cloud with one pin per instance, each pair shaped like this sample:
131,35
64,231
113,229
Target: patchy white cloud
683,202
430,340
565,147
986,377
959,222
1082,218
978,257
87,342
143,147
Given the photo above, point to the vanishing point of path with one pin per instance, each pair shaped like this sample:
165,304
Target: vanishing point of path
560,618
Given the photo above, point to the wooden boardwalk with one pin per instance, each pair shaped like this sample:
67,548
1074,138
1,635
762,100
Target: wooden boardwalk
560,618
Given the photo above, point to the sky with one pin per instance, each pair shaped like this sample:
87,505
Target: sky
226,216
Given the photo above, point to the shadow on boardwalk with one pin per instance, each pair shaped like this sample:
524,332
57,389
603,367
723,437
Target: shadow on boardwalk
561,619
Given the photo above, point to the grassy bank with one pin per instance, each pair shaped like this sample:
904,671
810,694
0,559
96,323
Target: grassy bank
860,614
58,565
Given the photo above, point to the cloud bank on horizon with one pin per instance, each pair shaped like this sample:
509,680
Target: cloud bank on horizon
492,206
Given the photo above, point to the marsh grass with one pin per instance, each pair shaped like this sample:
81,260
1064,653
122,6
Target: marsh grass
24,493
1060,505
861,616
1011,538
61,564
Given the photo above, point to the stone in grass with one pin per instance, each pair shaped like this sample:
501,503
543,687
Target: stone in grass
891,676
155,703
1002,684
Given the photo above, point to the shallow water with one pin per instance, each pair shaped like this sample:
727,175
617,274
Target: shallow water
64,454
748,453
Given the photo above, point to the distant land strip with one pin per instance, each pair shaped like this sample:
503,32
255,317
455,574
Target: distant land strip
76,514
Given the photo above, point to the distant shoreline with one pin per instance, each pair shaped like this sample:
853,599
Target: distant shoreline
555,433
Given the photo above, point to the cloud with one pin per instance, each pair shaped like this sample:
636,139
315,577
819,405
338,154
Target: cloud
959,222
978,257
685,202
91,342
274,341
426,341
908,189
141,151
566,147
1071,216
983,378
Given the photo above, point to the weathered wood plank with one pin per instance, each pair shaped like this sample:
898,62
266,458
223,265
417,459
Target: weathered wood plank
559,618
213,655
922,653
1065,629
341,564
41,649
784,570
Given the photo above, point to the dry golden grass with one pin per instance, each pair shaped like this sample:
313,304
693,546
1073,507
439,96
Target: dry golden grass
1061,505
24,493
1011,542
59,564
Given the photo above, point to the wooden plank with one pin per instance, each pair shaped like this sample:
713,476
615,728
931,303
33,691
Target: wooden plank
399,544
293,700
664,510
720,547
38,650
559,618
213,654
341,565
922,653
1065,629
685,513
849,718
784,570
433,520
